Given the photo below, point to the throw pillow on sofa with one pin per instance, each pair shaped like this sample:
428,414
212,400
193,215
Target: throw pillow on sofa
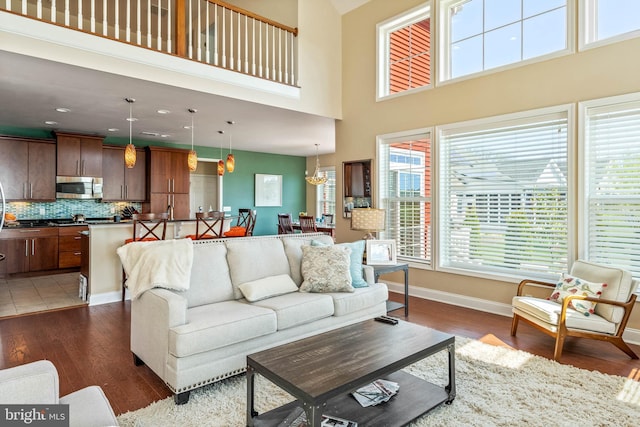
268,287
355,261
326,269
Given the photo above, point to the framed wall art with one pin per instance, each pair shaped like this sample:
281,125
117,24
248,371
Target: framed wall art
268,190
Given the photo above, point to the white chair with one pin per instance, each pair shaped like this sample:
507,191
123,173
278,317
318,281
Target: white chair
606,323
37,383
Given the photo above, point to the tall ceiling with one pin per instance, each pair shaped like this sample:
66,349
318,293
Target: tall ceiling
31,90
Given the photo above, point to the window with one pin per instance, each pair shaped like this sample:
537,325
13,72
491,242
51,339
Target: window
609,21
404,52
610,199
503,194
405,193
478,35
326,193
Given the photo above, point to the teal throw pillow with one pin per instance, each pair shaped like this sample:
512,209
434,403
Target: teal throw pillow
355,264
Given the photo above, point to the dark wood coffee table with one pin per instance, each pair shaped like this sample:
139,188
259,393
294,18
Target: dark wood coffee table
321,372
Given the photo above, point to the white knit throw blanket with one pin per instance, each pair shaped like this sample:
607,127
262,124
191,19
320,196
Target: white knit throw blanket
157,264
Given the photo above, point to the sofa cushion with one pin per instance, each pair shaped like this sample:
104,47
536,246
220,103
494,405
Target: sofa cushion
326,269
210,281
360,299
293,249
268,287
298,308
251,260
217,325
355,265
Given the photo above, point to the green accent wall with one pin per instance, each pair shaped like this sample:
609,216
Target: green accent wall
239,186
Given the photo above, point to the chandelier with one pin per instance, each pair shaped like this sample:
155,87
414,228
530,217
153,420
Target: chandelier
316,179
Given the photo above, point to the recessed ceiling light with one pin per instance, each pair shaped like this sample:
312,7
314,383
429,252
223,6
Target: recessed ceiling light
164,112
165,135
63,110
131,119
50,123
149,133
113,129
186,127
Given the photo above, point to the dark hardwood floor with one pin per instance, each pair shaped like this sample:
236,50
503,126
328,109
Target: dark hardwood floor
90,346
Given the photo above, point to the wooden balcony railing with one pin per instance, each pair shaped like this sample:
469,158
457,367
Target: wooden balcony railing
208,31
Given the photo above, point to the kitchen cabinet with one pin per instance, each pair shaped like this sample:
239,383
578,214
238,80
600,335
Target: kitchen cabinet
79,155
27,169
119,182
69,246
168,181
30,249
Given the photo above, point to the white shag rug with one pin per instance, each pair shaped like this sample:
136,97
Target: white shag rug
496,386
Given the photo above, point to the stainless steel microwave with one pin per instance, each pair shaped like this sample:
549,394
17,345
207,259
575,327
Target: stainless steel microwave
78,187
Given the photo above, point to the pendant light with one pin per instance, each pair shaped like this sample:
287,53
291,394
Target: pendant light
192,158
221,162
316,179
130,150
231,161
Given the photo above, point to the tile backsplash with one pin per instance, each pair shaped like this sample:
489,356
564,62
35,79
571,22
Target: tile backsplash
66,208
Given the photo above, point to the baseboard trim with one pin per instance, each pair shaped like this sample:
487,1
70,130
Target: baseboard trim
106,298
631,336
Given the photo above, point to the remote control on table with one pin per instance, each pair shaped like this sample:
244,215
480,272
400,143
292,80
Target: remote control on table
387,319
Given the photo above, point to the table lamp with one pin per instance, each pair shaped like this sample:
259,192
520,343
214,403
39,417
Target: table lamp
368,220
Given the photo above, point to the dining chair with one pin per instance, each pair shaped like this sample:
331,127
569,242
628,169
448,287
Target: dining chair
285,226
146,228
209,225
307,224
244,224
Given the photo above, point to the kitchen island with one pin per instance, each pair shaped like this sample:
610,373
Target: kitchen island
104,267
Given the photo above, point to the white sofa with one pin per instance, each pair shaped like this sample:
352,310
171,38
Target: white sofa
37,383
195,337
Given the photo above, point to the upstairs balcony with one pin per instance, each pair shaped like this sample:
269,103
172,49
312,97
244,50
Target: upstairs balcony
211,32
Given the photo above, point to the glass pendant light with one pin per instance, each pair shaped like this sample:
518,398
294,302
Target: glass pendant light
231,161
130,150
192,158
221,162
316,179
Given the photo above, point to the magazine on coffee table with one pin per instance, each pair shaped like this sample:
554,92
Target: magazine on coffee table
375,393
298,418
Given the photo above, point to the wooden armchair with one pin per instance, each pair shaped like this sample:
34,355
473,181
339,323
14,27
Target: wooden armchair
308,224
209,225
607,320
285,226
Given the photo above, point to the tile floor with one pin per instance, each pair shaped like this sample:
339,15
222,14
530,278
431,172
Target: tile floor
28,295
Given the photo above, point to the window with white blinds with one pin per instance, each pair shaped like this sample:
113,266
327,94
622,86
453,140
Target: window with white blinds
611,176
405,193
503,194
326,193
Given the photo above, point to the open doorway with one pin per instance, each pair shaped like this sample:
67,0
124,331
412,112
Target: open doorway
206,187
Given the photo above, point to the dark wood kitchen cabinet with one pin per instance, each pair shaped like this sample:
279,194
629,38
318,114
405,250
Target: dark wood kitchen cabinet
28,169
69,246
30,249
79,155
119,182
168,181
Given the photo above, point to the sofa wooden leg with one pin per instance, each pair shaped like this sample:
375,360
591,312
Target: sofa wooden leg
181,398
137,361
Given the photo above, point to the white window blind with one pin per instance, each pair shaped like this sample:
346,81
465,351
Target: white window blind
405,193
503,187
612,180
326,193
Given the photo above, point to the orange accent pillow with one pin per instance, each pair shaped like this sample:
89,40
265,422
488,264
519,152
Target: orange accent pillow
205,236
137,239
236,231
